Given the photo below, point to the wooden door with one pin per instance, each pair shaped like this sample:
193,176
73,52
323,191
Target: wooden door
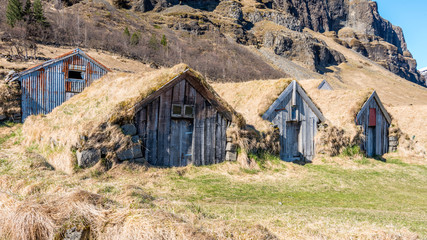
371,140
292,140
181,142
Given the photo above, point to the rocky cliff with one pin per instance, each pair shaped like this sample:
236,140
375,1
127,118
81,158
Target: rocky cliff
355,24
424,74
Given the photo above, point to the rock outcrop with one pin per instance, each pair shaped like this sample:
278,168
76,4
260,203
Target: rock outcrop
357,24
303,48
423,72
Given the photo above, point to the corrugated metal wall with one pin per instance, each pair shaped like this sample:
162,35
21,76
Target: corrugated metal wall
45,88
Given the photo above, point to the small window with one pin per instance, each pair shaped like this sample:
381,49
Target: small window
176,110
294,113
188,111
75,74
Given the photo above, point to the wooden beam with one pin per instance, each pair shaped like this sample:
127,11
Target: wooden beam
374,96
294,94
276,103
310,103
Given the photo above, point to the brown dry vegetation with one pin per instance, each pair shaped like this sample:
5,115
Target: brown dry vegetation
252,98
405,101
333,198
96,115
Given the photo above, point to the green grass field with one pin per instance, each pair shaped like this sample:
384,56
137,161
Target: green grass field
333,198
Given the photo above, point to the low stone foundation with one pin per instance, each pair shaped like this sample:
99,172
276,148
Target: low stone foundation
393,142
230,150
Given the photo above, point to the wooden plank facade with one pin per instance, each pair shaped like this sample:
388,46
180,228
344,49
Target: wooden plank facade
297,117
46,86
182,123
324,85
375,122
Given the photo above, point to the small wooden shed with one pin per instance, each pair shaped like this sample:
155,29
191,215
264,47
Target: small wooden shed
53,82
183,122
375,122
324,85
297,117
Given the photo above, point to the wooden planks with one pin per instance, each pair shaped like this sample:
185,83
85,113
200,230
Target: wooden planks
164,131
179,141
152,123
376,137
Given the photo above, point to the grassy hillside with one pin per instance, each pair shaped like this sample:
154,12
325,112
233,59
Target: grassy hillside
333,198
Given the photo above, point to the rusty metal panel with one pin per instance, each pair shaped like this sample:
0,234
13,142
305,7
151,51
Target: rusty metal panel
47,87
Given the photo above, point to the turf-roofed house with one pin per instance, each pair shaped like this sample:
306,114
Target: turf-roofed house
359,113
375,122
297,117
183,122
166,117
278,103
48,85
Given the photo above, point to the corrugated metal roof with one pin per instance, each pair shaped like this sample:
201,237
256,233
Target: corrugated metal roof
57,59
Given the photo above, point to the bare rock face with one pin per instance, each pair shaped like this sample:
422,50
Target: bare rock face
364,18
424,75
319,16
357,24
303,48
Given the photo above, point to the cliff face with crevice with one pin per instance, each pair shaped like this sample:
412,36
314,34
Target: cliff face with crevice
356,24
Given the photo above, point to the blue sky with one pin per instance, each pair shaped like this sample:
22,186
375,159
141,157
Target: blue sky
411,16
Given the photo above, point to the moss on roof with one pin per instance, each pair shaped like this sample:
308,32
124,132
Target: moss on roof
252,98
339,106
98,112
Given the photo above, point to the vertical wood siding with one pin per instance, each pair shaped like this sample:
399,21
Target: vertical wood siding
376,144
45,89
169,141
295,134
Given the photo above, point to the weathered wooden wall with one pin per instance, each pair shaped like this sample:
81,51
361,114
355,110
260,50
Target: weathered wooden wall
295,134
166,139
48,87
376,140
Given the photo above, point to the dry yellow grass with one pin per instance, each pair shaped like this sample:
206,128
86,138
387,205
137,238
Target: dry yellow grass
405,101
338,106
95,115
111,60
252,98
61,130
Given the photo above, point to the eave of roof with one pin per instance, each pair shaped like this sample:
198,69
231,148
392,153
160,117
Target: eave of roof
304,96
375,96
57,59
202,87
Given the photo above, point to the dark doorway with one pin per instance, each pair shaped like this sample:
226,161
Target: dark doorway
181,142
292,140
371,138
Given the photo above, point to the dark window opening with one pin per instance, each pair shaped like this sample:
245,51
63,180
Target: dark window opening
176,110
75,74
188,111
294,113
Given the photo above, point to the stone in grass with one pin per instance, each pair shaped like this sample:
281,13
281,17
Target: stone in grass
231,156
230,147
131,153
129,129
135,139
139,160
88,158
76,234
2,117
